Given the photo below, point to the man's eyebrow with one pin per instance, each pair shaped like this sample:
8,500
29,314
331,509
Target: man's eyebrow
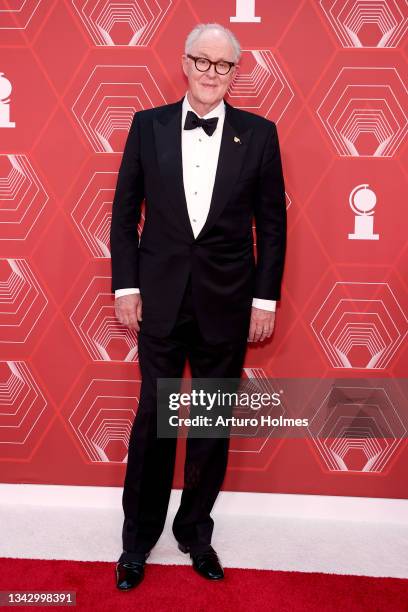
217,60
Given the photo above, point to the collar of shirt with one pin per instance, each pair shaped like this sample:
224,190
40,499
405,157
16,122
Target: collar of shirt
218,111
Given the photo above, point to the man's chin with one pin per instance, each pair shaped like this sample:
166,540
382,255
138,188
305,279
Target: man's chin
209,96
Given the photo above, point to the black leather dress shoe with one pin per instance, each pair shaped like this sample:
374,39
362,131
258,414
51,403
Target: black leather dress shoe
205,563
129,574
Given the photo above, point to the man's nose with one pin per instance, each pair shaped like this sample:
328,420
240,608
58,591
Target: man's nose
211,71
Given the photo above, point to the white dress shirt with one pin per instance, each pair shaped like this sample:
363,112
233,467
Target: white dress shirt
200,154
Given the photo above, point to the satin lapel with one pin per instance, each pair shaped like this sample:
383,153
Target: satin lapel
167,132
234,145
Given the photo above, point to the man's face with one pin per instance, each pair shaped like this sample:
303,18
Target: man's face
208,88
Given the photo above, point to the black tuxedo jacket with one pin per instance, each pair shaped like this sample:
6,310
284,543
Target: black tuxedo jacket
225,277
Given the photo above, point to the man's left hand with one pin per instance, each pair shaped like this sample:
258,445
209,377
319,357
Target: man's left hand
262,324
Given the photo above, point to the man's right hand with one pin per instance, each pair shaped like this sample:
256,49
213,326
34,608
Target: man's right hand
128,310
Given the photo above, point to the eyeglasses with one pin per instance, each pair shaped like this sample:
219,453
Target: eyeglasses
203,64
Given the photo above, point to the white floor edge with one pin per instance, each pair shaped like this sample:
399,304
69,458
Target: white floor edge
307,533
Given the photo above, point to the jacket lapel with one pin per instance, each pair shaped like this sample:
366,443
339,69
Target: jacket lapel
167,133
234,145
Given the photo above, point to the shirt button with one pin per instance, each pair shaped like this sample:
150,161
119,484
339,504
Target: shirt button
199,140
197,165
195,193
195,220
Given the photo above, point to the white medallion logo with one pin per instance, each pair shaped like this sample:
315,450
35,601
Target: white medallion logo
5,91
362,202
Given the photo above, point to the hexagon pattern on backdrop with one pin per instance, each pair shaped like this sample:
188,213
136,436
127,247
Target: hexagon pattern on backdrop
332,75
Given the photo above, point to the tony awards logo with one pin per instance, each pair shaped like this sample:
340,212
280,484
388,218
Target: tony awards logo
5,91
245,12
362,202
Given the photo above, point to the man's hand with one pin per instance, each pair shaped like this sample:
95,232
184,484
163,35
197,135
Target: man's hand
128,309
261,325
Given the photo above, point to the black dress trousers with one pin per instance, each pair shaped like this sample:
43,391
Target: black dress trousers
150,465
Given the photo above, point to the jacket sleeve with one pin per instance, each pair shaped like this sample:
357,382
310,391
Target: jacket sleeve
271,222
126,211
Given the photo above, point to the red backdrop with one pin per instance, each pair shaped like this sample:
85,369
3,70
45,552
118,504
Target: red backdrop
331,75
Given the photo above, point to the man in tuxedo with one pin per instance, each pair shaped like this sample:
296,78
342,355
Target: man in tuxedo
192,288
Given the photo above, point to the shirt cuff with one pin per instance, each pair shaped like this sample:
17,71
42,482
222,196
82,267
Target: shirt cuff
264,304
127,291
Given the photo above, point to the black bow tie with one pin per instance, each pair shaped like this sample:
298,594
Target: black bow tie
193,121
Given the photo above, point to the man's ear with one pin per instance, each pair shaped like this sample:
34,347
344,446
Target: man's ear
236,71
184,59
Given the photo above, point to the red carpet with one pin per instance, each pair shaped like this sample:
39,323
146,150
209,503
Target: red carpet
179,588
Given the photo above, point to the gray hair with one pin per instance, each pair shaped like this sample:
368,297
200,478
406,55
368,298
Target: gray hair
205,27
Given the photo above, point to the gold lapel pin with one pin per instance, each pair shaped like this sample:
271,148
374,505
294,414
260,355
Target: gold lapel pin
236,139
